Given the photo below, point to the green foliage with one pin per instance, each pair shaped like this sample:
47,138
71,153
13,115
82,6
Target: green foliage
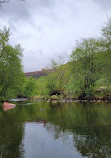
84,64
51,82
11,73
91,66
30,87
41,85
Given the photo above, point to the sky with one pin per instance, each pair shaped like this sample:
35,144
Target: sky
48,29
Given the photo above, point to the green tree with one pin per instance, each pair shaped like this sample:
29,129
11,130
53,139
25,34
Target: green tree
106,49
11,72
84,65
30,87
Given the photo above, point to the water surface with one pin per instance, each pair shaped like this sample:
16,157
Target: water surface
51,130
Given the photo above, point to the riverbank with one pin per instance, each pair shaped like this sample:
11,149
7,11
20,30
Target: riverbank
64,98
55,98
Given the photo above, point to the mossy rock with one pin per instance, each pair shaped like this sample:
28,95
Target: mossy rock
54,97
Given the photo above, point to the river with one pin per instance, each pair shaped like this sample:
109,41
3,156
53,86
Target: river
55,130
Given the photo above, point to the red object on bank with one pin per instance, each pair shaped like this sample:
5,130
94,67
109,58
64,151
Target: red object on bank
8,106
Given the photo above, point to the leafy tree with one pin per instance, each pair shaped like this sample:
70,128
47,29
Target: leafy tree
84,65
106,47
30,87
11,73
41,86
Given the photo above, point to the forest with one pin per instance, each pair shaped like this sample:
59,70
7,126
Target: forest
87,74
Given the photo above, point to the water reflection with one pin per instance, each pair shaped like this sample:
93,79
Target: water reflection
41,143
11,134
8,107
62,130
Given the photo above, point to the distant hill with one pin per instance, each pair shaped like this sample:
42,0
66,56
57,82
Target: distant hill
38,74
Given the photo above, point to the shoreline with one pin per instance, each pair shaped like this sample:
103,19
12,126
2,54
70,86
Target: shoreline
57,99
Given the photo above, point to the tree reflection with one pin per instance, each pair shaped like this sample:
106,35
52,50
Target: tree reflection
91,136
86,127
94,142
11,135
